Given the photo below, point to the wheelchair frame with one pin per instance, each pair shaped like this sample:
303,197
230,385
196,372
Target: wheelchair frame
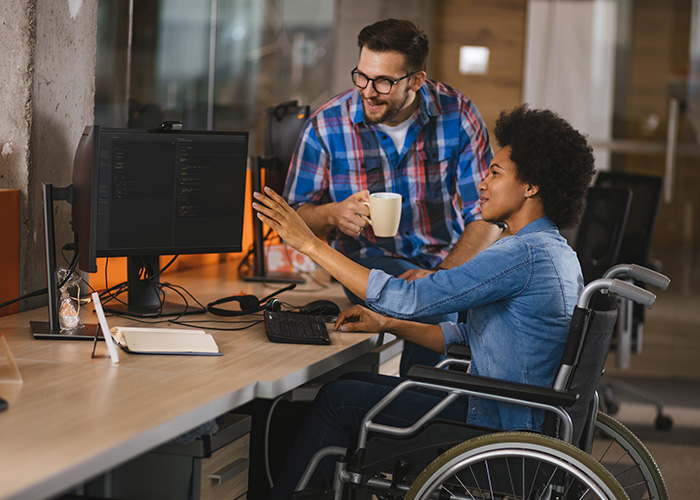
560,453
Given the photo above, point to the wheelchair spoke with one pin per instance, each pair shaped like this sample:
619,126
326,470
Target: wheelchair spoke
532,486
626,457
545,468
488,475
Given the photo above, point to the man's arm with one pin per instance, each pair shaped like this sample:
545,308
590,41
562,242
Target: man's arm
477,236
344,215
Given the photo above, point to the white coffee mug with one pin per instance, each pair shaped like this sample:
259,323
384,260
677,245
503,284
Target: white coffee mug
384,213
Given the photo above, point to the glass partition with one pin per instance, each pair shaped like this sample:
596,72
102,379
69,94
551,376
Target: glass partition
212,65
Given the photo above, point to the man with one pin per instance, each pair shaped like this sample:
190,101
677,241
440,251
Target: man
395,131
519,293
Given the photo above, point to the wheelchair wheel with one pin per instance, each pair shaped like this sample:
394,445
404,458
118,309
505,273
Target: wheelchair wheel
626,457
510,465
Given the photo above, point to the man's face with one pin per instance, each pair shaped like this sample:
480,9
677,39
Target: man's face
390,108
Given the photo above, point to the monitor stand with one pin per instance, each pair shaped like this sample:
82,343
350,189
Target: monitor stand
51,330
145,298
258,271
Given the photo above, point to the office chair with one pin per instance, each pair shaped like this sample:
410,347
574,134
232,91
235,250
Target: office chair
599,235
283,125
644,209
441,459
634,249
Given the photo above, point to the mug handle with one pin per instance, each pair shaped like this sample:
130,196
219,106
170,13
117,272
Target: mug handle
364,216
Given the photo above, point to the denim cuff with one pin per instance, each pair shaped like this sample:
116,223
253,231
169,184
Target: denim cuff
375,284
452,334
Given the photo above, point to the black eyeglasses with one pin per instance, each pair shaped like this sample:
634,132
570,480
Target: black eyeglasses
381,85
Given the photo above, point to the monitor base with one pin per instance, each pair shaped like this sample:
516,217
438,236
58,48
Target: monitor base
274,277
168,309
42,330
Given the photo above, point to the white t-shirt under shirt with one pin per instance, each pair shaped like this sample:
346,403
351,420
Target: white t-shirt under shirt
397,133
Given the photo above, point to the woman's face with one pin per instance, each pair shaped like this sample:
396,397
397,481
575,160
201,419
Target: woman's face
501,193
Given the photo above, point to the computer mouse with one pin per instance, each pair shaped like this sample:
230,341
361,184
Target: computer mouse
321,308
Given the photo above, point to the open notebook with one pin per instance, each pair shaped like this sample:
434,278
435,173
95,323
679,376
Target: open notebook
140,340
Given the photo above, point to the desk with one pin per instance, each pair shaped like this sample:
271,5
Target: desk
74,417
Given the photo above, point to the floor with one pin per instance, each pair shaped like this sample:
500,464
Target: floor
669,368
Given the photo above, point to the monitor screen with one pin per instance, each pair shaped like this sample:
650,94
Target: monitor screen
141,194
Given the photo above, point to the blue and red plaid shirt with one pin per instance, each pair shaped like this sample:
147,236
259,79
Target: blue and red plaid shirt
445,156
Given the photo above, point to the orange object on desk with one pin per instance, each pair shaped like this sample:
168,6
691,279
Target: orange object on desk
9,249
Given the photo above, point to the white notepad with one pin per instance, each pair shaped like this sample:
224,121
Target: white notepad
139,340
165,341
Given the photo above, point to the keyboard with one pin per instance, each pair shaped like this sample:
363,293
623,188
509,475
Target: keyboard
295,328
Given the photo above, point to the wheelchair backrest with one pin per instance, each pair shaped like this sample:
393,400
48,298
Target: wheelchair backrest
584,357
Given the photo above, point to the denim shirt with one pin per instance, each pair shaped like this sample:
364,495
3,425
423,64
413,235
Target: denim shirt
519,295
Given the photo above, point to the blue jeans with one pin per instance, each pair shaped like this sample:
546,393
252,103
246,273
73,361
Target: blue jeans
335,417
413,354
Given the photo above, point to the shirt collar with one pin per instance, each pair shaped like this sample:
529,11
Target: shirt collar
541,224
428,105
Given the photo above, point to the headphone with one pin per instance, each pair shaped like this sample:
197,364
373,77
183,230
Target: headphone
249,303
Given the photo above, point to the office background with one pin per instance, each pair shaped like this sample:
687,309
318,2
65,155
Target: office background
624,71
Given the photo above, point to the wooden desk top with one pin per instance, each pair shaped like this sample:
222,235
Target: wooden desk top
74,417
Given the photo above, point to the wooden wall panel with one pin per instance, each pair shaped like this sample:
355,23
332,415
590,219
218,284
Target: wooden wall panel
657,55
496,24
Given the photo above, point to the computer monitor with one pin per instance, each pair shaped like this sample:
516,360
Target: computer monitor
141,194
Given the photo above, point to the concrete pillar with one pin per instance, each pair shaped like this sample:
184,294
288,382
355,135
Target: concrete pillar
46,99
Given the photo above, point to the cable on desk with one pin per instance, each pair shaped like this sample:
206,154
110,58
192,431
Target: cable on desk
267,440
42,291
197,324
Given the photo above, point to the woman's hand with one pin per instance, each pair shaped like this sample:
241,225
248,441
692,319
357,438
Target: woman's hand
283,219
360,319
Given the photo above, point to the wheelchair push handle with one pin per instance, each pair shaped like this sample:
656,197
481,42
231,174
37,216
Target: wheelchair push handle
617,287
632,292
639,273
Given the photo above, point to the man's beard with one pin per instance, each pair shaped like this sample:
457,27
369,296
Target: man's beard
392,109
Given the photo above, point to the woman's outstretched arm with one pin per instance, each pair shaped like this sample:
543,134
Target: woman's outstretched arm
283,219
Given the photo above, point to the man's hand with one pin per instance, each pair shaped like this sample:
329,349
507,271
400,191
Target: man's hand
360,319
414,274
346,214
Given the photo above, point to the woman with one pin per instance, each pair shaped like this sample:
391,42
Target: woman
519,293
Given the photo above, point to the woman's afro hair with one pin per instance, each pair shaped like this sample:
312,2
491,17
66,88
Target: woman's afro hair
551,154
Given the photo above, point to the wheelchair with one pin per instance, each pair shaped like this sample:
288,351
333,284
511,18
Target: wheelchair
581,452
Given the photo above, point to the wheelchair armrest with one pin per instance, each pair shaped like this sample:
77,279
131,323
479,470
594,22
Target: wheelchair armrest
459,351
496,387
